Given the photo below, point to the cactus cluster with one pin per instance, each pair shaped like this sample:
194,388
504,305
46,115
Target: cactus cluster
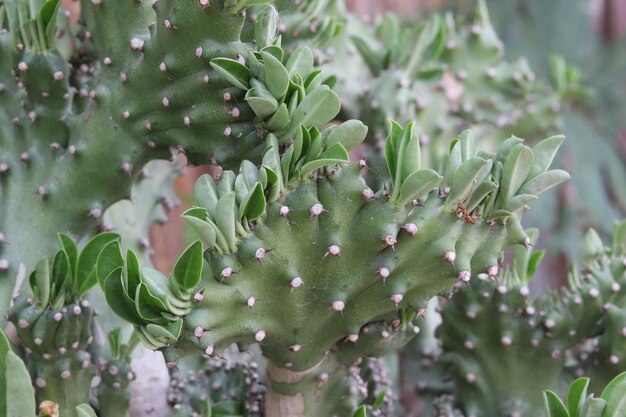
318,263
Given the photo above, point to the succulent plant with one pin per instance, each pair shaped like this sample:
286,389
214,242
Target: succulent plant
16,392
611,403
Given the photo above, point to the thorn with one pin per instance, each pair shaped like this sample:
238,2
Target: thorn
259,336
226,273
284,211
296,282
22,66
187,121
420,312
199,296
333,250
338,305
4,265
198,332
66,374
58,75
389,240
410,228
316,210
250,302
464,276
137,44
209,350
367,194
492,271
470,378
295,348
524,291
353,337
594,293
167,24
205,4
450,257
396,299
228,131
165,101
384,273
162,67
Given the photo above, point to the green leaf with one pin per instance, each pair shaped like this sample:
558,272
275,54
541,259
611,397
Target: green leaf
373,60
592,407
234,71
544,152
380,399
615,396
276,75
520,201
516,168
300,62
19,389
554,405
86,270
40,281
279,120
533,262
418,184
350,134
225,219
545,181
196,218
263,105
205,192
467,178
71,251
118,299
253,206
361,412
84,410
411,155
149,306
317,108
480,194
391,151
60,273
336,154
275,51
188,269
109,259
576,395
133,274
266,26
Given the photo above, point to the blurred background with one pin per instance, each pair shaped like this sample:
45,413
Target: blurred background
589,35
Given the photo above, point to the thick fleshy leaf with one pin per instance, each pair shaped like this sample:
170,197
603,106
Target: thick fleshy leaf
520,201
253,206
576,395
118,300
133,273
234,71
592,407
391,151
279,120
68,245
554,405
84,410
615,396
350,134
336,154
17,383
516,168
109,259
86,269
266,26
60,273
467,178
40,281
195,217
300,62
225,219
276,75
544,152
317,108
188,269
418,185
263,105
545,181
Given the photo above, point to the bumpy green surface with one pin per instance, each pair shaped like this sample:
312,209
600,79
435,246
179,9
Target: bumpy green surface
447,75
82,133
54,325
217,385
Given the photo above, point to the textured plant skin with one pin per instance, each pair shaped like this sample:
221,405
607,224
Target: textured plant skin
285,269
230,384
446,76
54,324
86,144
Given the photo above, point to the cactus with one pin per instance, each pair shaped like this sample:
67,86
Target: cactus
258,224
611,403
54,325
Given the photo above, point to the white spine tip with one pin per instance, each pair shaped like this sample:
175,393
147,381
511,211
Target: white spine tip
411,229
259,336
396,298
199,51
353,337
338,305
464,276
295,348
162,67
614,359
250,302
316,210
260,254
470,378
296,282
389,240
384,272
594,293
549,323
367,194
493,270
334,250
283,211
187,120
137,44
198,331
58,76
66,374
22,66
209,350
449,256
524,291
506,341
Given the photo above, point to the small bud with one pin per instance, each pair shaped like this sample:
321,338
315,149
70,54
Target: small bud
464,276
338,305
367,194
449,256
334,250
389,240
396,298
410,228
316,210
136,44
259,336
296,282
259,254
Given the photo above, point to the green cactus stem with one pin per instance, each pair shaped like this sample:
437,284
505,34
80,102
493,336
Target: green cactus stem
54,324
286,271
